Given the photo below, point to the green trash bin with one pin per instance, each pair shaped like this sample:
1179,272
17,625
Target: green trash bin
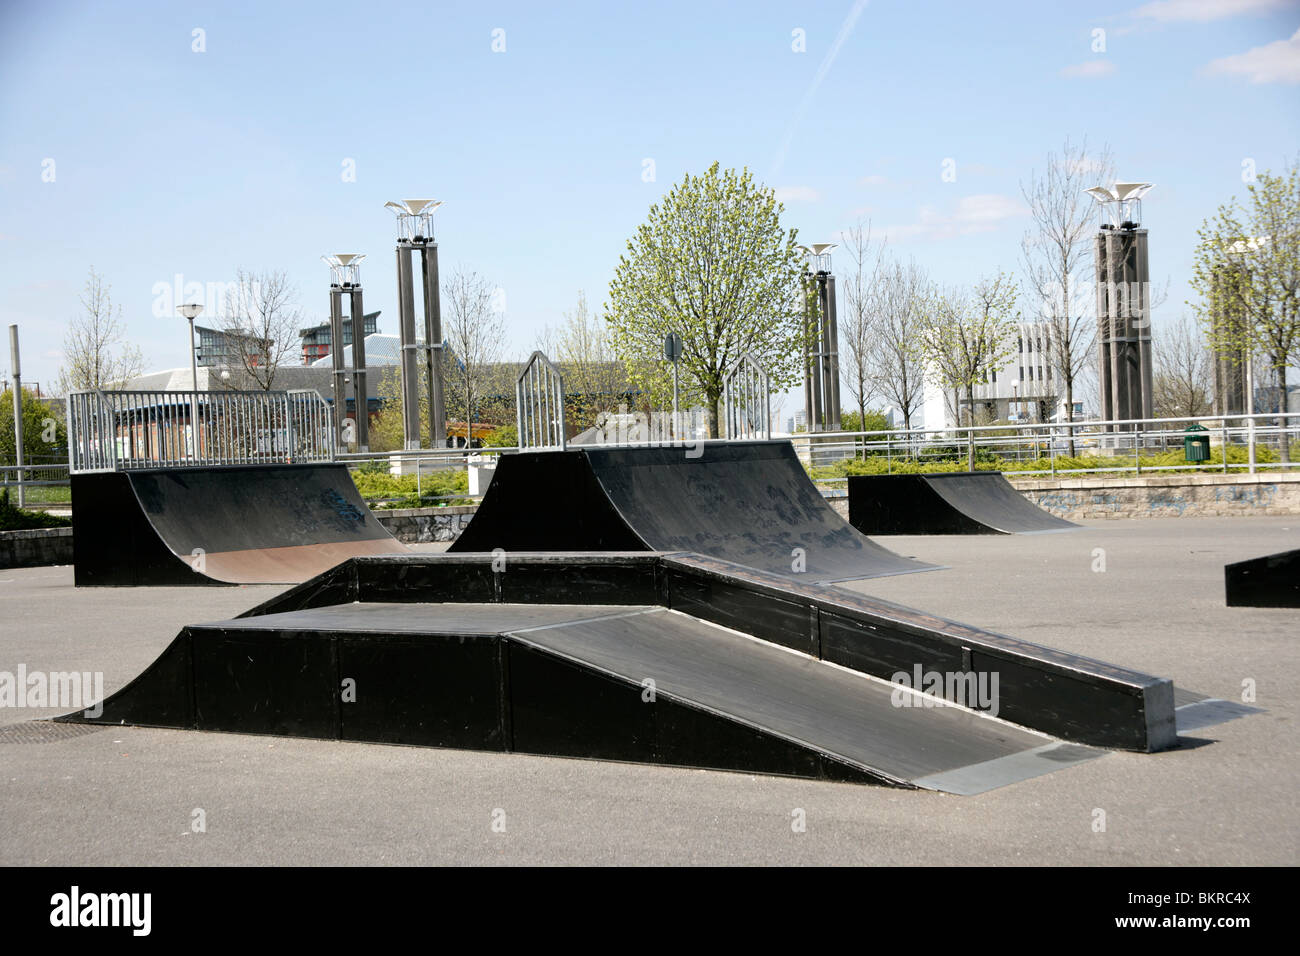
1196,443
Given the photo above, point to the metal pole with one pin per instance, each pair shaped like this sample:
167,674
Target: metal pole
406,329
194,396
359,389
433,344
675,411
18,409
1250,408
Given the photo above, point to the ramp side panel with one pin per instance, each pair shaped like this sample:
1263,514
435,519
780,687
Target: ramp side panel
546,501
114,544
751,503
1270,581
904,504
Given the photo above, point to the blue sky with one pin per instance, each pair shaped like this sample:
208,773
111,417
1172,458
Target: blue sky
168,161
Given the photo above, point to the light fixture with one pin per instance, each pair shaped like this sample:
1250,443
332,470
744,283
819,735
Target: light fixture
190,310
345,269
414,219
1120,204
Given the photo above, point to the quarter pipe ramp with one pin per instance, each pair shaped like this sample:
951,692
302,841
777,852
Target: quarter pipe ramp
981,502
251,524
750,503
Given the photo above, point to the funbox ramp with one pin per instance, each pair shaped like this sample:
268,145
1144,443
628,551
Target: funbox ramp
664,659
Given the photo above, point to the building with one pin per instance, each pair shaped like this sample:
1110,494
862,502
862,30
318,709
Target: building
316,340
1024,389
218,348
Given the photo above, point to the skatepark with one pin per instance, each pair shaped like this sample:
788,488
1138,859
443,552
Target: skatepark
300,800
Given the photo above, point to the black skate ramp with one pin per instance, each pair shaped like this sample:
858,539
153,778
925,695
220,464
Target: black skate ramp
1270,581
980,502
664,659
750,503
251,524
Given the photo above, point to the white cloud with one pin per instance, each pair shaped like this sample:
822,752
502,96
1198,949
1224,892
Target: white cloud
796,194
1090,69
984,212
1203,11
1276,62
875,179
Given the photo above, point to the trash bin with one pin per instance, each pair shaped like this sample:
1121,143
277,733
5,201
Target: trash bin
1196,443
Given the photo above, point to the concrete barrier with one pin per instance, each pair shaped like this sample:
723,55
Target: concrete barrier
1166,496
423,525
35,548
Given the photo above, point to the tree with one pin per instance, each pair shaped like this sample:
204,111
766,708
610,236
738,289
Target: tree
1247,272
1182,386
475,335
260,326
44,433
899,295
712,263
594,379
857,326
1057,258
967,336
96,353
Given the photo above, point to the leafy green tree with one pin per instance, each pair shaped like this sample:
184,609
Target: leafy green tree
969,335
1247,272
712,263
45,437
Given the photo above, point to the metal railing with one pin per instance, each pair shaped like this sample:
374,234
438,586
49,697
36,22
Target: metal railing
123,430
539,405
747,400
1257,440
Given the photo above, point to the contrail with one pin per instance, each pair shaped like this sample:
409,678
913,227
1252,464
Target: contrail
828,61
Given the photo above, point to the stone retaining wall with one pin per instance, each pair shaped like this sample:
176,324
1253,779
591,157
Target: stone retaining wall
36,548
422,525
1165,496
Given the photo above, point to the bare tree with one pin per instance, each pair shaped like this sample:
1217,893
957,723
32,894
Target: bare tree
95,351
857,326
1182,385
261,326
476,336
1057,258
898,300
966,336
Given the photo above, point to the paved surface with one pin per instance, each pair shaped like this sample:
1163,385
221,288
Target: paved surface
1228,796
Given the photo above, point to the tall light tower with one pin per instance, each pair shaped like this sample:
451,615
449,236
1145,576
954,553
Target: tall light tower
1123,303
821,387
415,231
345,276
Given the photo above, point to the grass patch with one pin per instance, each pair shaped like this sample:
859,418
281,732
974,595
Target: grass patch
383,491
13,518
881,465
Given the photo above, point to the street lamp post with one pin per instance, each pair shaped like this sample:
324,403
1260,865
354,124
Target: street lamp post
191,311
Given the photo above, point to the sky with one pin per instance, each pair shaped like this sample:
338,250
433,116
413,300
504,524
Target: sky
167,143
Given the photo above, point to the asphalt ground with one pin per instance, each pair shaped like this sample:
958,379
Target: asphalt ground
76,795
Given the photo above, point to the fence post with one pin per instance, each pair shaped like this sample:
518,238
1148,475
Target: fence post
1137,444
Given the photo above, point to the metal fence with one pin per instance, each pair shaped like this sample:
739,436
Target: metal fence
539,405
123,430
1054,448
